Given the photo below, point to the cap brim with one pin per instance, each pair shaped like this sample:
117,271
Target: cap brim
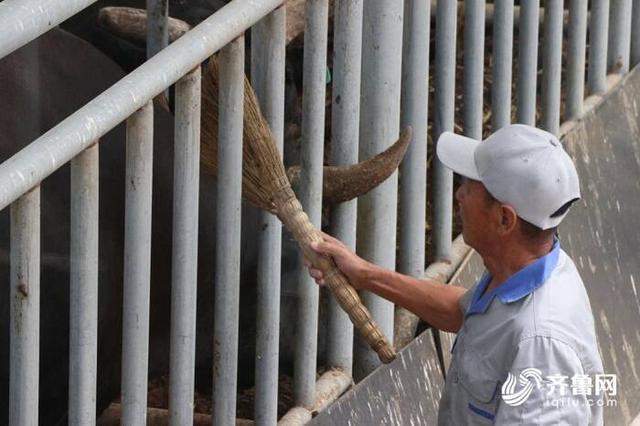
457,153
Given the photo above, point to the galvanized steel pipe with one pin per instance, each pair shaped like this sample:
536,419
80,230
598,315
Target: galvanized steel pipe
413,169
619,46
445,80
329,387
474,16
24,20
576,57
552,58
598,36
229,203
345,116
527,62
379,126
157,26
311,156
267,75
137,265
24,317
184,265
78,131
635,34
502,62
83,287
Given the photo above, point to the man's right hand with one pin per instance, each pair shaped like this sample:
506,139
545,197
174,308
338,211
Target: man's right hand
356,269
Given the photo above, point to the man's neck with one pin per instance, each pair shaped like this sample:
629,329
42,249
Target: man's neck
509,260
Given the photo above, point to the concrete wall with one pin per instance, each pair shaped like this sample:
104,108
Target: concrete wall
601,234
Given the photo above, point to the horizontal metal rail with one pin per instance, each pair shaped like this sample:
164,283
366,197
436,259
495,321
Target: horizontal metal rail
59,145
24,20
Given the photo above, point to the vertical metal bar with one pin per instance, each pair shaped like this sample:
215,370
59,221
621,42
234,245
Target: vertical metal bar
345,111
227,286
552,62
445,81
576,60
502,62
413,170
157,26
137,265
619,36
528,61
635,33
24,343
313,107
184,269
267,74
379,126
474,15
598,36
83,288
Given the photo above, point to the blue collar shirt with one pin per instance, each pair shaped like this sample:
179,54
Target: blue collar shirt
527,351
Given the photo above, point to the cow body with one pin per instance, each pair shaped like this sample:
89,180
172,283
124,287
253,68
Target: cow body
40,85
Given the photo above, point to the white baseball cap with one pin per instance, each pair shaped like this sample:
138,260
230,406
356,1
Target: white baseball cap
519,165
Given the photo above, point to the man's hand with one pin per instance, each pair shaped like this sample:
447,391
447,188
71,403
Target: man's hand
436,303
355,268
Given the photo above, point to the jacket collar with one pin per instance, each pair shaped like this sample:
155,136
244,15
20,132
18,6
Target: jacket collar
518,285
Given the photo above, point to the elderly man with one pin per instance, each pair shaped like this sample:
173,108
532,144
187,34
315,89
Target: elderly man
526,349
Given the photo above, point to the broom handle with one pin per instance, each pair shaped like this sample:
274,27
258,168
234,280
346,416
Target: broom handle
290,212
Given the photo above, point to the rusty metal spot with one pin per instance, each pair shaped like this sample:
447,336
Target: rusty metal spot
23,289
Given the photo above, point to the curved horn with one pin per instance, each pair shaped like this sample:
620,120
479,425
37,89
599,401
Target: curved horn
130,24
348,182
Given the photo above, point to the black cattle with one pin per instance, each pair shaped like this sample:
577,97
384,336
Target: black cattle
40,85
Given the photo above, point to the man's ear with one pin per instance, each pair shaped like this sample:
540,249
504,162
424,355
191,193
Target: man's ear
508,219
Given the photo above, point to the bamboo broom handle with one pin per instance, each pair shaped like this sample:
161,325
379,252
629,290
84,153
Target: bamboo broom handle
290,212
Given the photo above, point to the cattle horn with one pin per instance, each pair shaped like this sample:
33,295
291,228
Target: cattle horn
130,24
348,182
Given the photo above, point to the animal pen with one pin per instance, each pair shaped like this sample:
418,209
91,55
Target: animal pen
380,85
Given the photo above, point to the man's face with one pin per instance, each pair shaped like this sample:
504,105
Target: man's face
475,212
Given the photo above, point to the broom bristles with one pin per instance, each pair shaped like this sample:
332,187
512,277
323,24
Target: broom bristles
263,172
265,184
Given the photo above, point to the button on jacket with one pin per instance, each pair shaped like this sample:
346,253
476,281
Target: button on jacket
536,324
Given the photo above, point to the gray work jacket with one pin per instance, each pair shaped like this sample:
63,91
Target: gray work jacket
527,352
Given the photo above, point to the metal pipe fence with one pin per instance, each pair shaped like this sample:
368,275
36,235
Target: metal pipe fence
184,268
473,67
528,62
137,265
227,290
380,83
83,287
502,63
445,81
552,64
576,60
619,49
311,157
379,125
25,309
267,77
345,114
413,171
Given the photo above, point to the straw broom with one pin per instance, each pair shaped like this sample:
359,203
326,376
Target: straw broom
265,185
